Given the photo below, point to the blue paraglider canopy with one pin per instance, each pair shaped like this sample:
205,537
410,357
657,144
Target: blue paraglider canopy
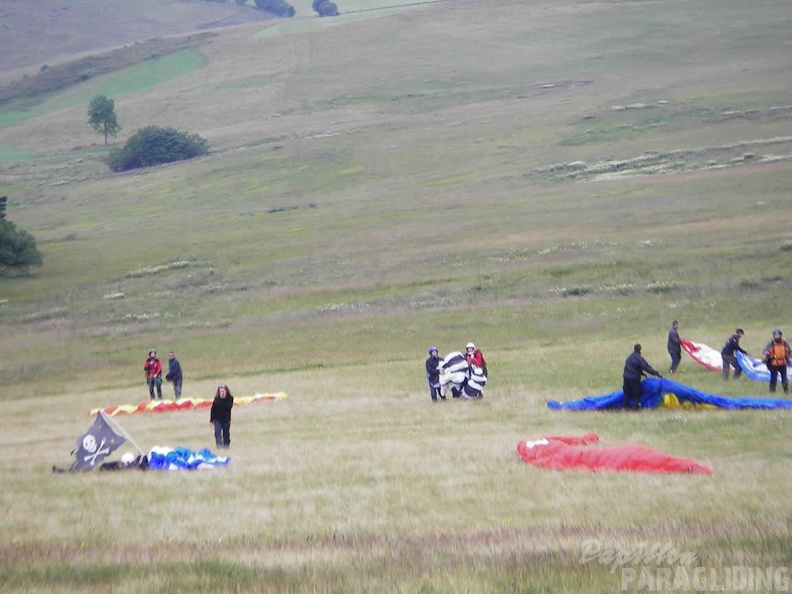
664,392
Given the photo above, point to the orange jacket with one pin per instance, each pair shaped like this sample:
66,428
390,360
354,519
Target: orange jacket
777,353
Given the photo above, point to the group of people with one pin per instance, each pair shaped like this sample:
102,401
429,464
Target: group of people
471,362
776,355
153,370
220,414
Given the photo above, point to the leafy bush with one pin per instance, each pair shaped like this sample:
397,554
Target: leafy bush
18,250
154,146
279,8
327,8
576,291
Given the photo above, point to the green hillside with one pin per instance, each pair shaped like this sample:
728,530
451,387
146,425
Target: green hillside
554,181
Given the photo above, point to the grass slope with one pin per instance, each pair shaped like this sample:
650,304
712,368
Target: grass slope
553,181
49,32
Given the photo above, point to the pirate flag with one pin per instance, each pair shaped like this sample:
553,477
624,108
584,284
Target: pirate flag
100,440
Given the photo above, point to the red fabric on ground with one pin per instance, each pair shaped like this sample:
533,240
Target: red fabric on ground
570,453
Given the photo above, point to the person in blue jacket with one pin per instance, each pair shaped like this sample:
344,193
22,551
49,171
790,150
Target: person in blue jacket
635,368
175,374
433,374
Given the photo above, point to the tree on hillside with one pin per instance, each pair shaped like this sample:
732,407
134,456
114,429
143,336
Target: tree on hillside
279,8
153,145
325,8
18,251
102,116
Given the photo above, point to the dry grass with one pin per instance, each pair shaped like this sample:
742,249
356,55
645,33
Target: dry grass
337,487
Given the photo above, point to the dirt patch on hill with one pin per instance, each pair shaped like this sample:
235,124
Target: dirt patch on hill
703,160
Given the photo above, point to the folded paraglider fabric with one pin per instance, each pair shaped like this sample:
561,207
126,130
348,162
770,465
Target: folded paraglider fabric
666,393
181,404
703,355
165,458
457,375
755,369
572,453
706,356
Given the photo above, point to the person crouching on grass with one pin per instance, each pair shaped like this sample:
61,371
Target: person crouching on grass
635,367
220,416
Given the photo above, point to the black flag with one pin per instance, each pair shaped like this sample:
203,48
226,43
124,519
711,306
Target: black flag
96,444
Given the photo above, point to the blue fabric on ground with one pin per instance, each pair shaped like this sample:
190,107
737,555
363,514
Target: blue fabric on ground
163,458
753,368
653,390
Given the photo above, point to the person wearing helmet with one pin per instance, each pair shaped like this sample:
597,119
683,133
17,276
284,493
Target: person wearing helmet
128,462
433,374
153,370
777,357
475,357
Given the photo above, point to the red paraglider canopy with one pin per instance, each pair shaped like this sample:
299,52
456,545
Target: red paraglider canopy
570,453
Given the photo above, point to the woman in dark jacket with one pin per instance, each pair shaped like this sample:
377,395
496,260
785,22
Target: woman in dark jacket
220,416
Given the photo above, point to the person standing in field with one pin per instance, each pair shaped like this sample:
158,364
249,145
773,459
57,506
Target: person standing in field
635,368
153,370
674,347
175,374
777,357
729,358
433,374
220,416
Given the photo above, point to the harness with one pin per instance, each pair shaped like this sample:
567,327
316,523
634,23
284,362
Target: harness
777,354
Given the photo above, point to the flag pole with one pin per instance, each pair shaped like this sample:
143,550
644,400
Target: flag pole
113,423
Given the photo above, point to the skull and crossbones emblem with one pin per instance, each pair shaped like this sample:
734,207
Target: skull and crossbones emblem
90,445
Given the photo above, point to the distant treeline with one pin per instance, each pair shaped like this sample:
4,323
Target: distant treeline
282,8
279,8
325,8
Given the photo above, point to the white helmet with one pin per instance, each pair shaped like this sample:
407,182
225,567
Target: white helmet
470,345
128,458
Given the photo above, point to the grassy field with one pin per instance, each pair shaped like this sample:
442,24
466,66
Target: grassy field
554,181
